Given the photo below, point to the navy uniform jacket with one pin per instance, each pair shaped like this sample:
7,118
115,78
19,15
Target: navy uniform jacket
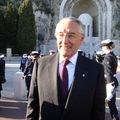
110,67
86,97
2,72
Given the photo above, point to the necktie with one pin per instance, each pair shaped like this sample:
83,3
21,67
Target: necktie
64,82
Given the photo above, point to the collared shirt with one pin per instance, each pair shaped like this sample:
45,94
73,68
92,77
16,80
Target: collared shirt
70,67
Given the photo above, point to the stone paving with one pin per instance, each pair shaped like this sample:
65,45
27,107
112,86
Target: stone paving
13,108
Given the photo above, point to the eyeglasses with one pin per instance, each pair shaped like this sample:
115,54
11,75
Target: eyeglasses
70,36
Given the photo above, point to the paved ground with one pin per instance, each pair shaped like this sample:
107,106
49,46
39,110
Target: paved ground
13,107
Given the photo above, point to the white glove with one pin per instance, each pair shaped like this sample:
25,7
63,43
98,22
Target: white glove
111,90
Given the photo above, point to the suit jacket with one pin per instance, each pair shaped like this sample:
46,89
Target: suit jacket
86,97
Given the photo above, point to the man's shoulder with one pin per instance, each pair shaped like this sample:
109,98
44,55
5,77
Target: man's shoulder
47,58
91,62
109,56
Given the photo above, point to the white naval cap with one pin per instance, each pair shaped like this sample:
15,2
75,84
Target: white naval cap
25,55
107,42
2,56
52,51
34,53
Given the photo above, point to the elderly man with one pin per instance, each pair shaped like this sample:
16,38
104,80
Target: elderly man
67,85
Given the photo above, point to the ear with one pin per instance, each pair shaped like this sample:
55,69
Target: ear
82,37
55,34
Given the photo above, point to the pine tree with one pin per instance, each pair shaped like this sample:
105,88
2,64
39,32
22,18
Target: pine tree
26,37
11,20
2,32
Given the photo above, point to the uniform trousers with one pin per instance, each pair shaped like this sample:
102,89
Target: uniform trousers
113,108
28,81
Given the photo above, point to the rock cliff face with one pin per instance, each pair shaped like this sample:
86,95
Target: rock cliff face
116,19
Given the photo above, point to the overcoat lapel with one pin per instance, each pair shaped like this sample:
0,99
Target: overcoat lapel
52,71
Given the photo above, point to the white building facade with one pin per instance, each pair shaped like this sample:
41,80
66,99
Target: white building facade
101,19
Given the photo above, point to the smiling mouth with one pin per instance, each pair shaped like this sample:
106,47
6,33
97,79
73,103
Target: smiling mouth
65,48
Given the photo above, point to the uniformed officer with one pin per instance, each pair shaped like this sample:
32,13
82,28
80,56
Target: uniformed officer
34,55
110,66
2,72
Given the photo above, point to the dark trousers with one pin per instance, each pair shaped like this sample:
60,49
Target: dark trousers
113,108
0,89
28,81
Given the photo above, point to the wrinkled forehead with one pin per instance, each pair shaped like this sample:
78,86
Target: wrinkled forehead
67,26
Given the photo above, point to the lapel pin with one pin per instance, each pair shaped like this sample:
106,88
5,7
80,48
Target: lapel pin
83,75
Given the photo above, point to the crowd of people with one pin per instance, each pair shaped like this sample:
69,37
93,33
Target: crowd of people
27,63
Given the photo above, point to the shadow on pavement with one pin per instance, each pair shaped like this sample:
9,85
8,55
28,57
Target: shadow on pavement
16,110
12,109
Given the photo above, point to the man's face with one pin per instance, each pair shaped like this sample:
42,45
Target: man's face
68,37
34,57
104,49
